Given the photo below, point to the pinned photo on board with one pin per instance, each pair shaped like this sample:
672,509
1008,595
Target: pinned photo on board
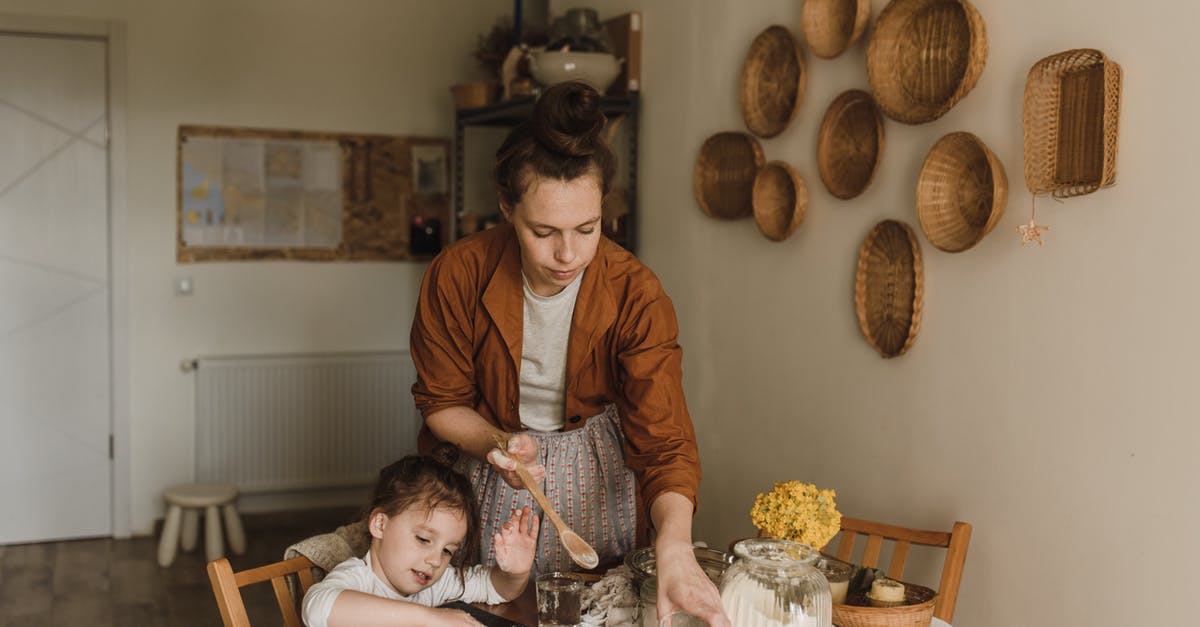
429,169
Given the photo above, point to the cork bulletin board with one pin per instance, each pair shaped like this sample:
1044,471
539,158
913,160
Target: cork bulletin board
251,194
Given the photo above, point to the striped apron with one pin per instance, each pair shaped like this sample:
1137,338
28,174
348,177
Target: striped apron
587,482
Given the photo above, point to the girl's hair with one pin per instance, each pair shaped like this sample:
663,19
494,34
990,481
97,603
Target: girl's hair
429,483
562,140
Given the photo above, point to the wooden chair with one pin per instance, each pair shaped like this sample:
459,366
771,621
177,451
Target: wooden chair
227,588
955,542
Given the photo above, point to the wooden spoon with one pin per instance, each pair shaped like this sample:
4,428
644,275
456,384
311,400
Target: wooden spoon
576,547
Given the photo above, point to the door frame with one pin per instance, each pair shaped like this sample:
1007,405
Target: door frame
112,32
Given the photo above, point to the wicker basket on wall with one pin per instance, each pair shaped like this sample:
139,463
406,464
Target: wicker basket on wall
724,175
850,144
772,83
1070,120
924,56
917,610
961,192
889,288
832,26
780,200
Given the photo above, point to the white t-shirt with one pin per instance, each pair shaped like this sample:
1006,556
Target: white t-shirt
356,574
547,328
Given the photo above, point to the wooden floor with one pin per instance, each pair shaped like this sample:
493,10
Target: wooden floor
118,582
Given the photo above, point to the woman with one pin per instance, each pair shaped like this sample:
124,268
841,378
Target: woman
553,337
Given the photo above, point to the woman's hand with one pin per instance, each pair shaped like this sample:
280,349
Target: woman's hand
517,542
683,585
524,448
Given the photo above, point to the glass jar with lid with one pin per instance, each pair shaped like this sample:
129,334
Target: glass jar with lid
774,583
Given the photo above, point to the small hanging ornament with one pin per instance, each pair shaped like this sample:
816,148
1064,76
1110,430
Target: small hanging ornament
1032,232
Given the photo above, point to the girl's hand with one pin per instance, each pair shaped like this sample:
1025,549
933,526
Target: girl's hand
524,448
445,617
516,543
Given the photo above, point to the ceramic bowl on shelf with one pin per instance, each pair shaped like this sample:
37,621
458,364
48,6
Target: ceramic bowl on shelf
597,69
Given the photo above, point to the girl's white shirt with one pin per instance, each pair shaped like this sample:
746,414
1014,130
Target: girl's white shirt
356,574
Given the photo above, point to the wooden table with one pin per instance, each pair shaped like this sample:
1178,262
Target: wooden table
522,609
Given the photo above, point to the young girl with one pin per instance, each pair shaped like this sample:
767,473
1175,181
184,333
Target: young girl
424,526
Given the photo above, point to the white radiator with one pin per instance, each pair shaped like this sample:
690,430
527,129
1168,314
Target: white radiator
279,423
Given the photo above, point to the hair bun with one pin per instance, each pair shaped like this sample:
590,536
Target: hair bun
567,119
445,453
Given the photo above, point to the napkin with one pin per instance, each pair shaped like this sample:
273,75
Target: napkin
611,602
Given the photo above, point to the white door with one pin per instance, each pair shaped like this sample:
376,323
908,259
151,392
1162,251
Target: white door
55,409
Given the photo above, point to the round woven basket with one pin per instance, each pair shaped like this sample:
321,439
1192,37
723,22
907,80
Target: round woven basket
924,56
724,176
780,198
889,287
961,192
832,26
850,144
772,84
473,95
917,610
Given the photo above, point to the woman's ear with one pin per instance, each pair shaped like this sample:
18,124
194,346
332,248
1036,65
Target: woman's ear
506,211
377,523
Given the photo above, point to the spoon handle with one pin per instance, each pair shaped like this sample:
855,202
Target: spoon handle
540,497
533,487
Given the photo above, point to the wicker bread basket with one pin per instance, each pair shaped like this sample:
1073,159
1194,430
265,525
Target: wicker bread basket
772,84
916,612
889,288
924,56
1072,106
780,200
724,176
850,144
832,26
961,192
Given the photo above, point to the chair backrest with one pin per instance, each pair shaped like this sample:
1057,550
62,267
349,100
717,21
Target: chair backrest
227,588
955,542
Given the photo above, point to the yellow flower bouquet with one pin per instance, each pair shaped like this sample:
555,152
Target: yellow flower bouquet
797,511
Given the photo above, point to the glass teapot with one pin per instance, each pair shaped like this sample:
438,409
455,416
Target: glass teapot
775,583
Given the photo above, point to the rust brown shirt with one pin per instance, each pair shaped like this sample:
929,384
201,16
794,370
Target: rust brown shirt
623,348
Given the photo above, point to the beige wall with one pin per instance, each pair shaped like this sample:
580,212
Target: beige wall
373,66
1047,399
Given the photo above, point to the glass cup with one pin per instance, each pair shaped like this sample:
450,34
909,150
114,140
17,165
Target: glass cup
559,599
837,573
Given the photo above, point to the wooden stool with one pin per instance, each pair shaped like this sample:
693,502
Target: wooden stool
184,503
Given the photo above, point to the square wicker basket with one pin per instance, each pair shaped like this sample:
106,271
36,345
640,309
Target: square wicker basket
1071,110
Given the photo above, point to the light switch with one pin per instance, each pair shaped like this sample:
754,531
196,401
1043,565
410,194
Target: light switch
183,286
